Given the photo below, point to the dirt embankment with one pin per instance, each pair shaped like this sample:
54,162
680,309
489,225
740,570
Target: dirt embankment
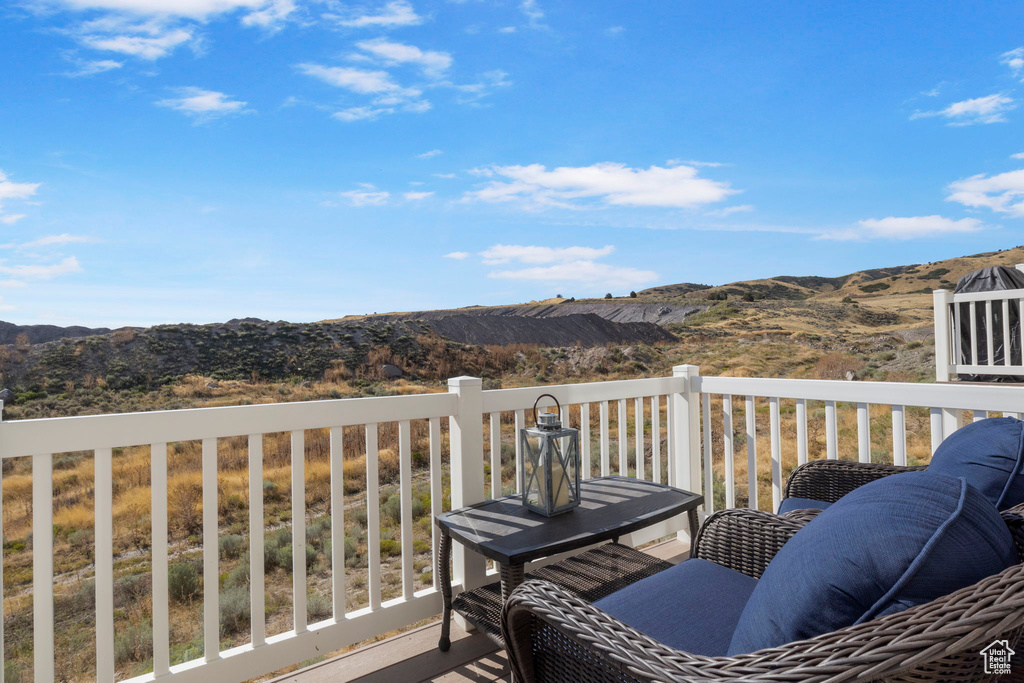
587,329
616,312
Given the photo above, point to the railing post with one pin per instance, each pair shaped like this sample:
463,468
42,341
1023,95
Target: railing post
942,334
686,433
467,473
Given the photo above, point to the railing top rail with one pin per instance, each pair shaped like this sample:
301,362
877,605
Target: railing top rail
997,295
89,432
497,400
952,396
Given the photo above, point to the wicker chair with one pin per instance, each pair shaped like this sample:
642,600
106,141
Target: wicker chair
830,480
553,636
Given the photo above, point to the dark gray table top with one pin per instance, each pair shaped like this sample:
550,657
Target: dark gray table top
503,530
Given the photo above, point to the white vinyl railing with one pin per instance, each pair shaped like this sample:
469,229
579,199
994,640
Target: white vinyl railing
470,413
735,439
973,333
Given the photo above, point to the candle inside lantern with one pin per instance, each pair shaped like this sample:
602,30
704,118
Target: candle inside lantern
559,482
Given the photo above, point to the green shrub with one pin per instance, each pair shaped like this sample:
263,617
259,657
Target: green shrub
874,287
310,556
391,510
130,589
239,576
231,546
134,643
234,610
390,548
183,581
318,607
421,546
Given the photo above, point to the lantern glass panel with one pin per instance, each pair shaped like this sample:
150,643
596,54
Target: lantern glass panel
550,470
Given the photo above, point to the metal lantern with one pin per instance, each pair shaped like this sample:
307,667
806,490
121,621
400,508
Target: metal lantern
550,466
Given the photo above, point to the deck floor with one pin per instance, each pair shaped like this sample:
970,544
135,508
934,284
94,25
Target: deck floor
413,657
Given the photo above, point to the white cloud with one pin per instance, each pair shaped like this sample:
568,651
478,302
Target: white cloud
988,109
192,9
905,228
203,104
430,155
361,113
387,95
416,196
433,63
357,80
507,29
13,190
533,13
43,272
574,264
505,253
729,210
446,176
1002,193
582,272
98,66
614,184
1018,155
271,16
397,13
1014,59
56,240
366,197
143,47
614,30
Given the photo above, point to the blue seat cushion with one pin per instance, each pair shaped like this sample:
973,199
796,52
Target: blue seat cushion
693,606
891,544
989,454
790,504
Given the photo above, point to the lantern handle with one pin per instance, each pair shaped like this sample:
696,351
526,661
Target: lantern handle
557,405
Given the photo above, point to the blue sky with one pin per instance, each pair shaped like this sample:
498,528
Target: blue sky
198,160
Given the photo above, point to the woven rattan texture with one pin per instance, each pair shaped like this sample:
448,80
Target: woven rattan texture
590,575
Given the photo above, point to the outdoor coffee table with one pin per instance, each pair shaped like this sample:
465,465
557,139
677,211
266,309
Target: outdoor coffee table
504,531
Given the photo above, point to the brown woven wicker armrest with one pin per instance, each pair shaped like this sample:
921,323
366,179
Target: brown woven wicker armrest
746,540
554,637
830,480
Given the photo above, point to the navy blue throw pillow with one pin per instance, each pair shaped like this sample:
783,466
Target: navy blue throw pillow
989,454
897,542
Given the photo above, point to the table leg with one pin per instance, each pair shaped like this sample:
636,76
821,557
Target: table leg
511,576
694,525
444,574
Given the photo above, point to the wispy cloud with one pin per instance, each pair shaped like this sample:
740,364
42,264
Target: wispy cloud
386,95
416,196
534,14
609,184
42,271
458,255
570,265
93,67
988,109
1002,193
905,228
55,240
12,191
430,155
367,197
149,47
433,63
1015,60
393,14
506,253
203,105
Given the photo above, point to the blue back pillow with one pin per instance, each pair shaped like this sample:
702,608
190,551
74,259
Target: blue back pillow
897,542
989,454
